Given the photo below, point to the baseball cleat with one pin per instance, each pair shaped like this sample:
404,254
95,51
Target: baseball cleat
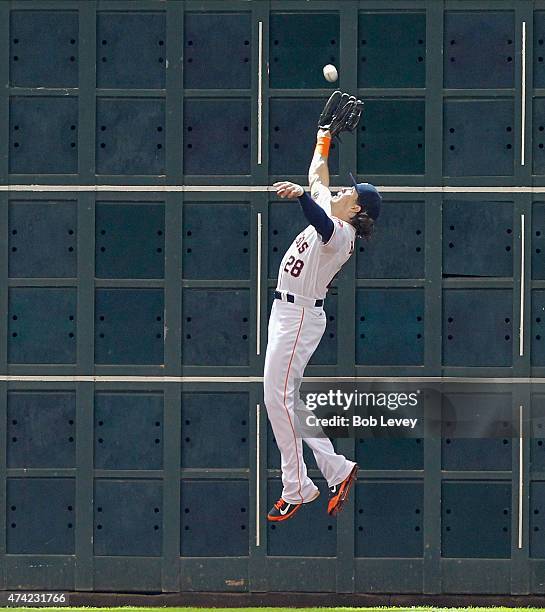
283,510
338,494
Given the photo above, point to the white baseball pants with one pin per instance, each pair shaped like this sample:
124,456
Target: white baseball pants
294,334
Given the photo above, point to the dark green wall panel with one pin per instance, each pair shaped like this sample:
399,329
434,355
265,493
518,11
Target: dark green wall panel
392,49
383,257
207,340
128,431
43,135
391,137
42,239
215,61
478,138
206,253
477,238
289,51
390,454
390,325
214,518
477,327
118,66
44,48
215,430
293,130
389,519
31,417
537,543
42,325
481,511
130,240
129,326
130,136
33,503
490,35
128,518
226,124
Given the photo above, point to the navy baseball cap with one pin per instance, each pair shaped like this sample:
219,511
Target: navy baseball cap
368,198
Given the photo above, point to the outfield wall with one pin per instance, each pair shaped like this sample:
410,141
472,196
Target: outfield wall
140,243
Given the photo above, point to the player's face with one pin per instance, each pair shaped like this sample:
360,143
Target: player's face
342,194
345,204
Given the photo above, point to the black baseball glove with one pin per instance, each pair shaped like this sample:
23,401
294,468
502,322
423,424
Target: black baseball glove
341,113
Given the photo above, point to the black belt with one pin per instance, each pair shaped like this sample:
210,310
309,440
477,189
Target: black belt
291,298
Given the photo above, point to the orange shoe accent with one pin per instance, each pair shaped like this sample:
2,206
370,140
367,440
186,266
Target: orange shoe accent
336,503
279,505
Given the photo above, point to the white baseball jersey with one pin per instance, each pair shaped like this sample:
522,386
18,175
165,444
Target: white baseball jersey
294,334
309,265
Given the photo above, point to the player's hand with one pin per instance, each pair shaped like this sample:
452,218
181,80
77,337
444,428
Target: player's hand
324,133
285,189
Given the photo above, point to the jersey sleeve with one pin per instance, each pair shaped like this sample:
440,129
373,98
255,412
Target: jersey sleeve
342,238
317,216
322,196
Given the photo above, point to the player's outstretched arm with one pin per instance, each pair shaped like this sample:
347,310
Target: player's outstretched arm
318,172
315,214
287,189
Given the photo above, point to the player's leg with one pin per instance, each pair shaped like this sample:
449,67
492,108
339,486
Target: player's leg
287,354
339,472
334,467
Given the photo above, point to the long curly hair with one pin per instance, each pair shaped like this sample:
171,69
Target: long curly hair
364,225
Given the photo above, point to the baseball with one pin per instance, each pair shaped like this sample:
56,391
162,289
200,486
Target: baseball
330,73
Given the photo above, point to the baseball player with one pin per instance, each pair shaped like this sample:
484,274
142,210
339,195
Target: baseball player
298,321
